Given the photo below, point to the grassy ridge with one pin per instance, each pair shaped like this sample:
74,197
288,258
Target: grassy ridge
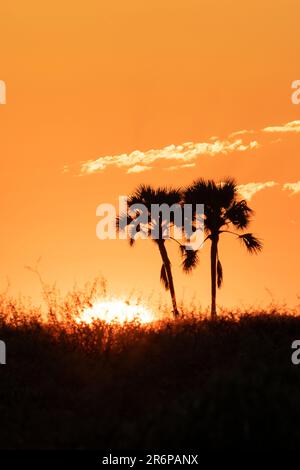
228,384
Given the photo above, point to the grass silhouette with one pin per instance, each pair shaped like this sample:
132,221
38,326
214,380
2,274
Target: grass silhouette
189,383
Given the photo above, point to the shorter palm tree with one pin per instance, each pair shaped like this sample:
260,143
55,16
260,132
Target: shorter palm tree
222,210
147,196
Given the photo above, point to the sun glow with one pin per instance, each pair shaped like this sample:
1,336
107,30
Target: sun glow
116,311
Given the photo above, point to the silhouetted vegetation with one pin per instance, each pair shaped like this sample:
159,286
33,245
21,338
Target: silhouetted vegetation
223,210
148,196
184,384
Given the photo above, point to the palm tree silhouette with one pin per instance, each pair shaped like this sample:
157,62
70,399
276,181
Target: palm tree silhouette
147,195
222,210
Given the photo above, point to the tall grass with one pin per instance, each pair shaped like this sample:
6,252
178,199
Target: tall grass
190,383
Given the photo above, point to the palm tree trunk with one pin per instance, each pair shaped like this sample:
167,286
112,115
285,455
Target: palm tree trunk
213,268
167,264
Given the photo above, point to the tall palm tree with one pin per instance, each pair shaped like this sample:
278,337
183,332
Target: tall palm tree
147,195
222,210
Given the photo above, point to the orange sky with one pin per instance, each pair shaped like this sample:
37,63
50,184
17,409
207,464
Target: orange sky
105,78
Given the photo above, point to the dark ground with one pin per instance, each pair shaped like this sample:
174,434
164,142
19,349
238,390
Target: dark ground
195,384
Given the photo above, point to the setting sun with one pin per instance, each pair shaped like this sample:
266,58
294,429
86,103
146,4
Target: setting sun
116,311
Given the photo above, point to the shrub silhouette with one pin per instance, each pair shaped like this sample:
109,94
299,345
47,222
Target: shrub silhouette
189,384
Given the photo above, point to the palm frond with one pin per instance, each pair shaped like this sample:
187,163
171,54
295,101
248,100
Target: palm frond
190,259
219,274
147,195
239,214
164,278
227,192
167,195
123,220
253,244
198,192
131,241
143,194
132,231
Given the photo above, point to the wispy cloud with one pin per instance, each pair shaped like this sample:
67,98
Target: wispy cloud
242,132
186,152
248,190
293,126
139,169
178,167
293,187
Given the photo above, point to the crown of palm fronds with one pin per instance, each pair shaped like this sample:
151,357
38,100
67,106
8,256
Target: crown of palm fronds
147,195
221,204
221,208
210,193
